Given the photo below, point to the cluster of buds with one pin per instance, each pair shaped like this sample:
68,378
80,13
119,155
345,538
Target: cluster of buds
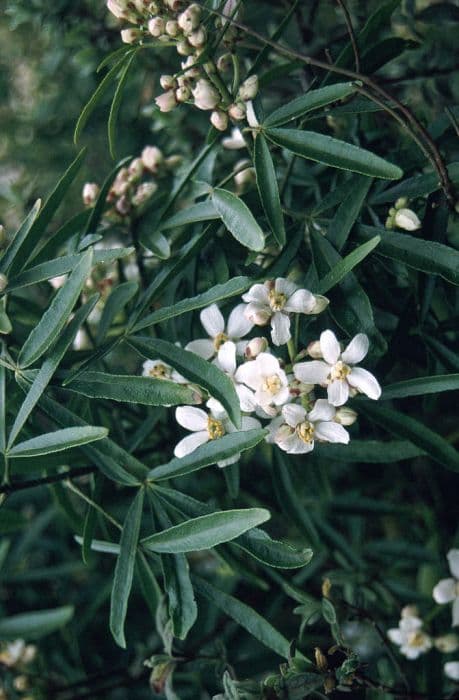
199,81
402,217
15,656
134,185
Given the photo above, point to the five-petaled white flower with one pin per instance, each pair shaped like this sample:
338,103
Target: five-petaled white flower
214,324
226,361
301,428
275,300
337,371
157,369
447,590
208,426
268,380
409,635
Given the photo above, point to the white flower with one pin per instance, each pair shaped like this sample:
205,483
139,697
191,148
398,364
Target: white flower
407,220
265,376
226,361
17,652
336,370
301,428
451,670
205,95
447,590
157,369
214,324
206,427
409,636
276,300
235,141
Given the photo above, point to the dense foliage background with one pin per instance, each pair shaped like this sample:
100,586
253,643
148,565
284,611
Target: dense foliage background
379,514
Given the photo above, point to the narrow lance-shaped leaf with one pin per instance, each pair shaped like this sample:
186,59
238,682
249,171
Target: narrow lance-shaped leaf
344,266
35,624
268,189
238,219
202,211
116,104
20,236
119,297
346,215
314,99
55,317
421,386
57,441
333,152
124,569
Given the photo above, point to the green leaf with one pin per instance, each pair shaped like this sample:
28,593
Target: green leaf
427,256
345,265
206,531
328,611
332,152
148,584
369,451
287,497
116,104
55,317
57,441
245,616
119,297
35,624
50,248
279,555
314,99
417,186
11,521
268,189
238,219
210,453
124,569
405,427
101,546
10,253
235,287
194,368
202,211
131,389
343,221
421,386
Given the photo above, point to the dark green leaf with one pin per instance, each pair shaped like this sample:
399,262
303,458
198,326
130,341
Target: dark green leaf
116,104
421,386
35,624
238,219
268,189
345,265
10,253
203,211
346,215
314,99
280,555
119,297
57,441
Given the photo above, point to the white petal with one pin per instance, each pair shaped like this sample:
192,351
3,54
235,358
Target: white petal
238,323
322,411
282,396
293,414
227,357
331,432
246,398
249,423
314,372
444,591
451,670
216,409
356,350
284,286
257,313
320,304
202,347
258,293
456,612
301,302
249,373
338,392
280,328
190,443
364,382
330,347
395,635
191,418
267,364
453,561
212,320
410,624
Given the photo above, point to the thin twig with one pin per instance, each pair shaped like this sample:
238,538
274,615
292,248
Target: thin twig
33,483
350,29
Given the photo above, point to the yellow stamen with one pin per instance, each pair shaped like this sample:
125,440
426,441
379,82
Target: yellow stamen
159,371
417,639
272,384
305,432
215,428
219,340
339,371
277,300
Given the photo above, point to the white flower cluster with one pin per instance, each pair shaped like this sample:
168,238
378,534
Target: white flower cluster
410,636
285,394
133,185
198,82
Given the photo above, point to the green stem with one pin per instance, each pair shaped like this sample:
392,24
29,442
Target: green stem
292,353
92,503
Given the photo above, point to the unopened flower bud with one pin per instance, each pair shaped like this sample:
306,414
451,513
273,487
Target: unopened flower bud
407,220
244,178
447,643
123,206
249,89
321,660
90,193
184,48
320,304
345,416
401,203
144,192
172,28
219,120
182,94
135,168
174,5
130,36
167,82
20,683
224,62
254,347
117,8
198,38
173,162
205,95
156,26
143,6
259,317
189,19
329,684
237,111
166,102
152,158
314,350
121,183
326,587
3,282
409,611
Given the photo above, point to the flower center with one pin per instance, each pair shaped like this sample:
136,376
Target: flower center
159,371
305,431
417,639
272,384
339,371
219,340
277,300
215,428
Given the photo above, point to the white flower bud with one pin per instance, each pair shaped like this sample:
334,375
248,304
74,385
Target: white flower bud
130,36
254,347
90,193
172,28
314,350
123,206
173,162
188,21
191,70
3,282
143,6
152,158
237,111
57,282
224,63
409,611
135,169
166,102
205,95
249,89
30,652
117,8
401,203
121,183
156,26
345,416
183,93
321,303
144,192
184,48
219,120
167,82
198,38
447,643
174,5
251,116
407,220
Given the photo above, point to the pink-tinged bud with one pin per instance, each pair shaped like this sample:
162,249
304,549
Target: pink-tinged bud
249,89
172,28
409,611
144,192
90,193
123,206
174,5
182,94
166,102
205,95
224,63
152,158
121,183
156,26
447,643
188,21
320,304
191,70
345,416
135,169
117,8
184,48
167,82
198,38
130,36
237,111
407,220
143,6
314,350
254,347
219,120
